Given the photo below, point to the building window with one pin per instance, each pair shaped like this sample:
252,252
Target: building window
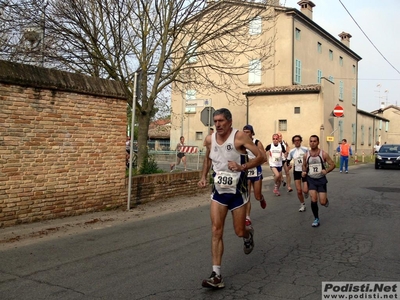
297,73
199,136
340,60
340,130
255,71
190,105
354,69
380,124
319,76
341,88
387,126
319,47
191,52
369,136
362,134
255,26
330,54
298,34
282,125
297,110
353,135
331,79
354,96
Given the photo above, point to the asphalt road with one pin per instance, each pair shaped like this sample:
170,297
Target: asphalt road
167,256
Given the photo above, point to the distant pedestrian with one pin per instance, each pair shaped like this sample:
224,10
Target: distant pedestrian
345,151
226,151
315,170
254,175
276,152
377,147
297,154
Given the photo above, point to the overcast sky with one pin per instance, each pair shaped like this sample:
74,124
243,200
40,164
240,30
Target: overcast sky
380,21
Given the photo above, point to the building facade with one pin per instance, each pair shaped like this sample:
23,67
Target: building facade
295,91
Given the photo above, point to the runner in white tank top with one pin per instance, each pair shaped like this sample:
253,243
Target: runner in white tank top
226,151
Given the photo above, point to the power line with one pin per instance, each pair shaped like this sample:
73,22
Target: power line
368,37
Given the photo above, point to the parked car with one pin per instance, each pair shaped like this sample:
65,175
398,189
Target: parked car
388,156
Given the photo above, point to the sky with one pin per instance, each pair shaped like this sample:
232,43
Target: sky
379,81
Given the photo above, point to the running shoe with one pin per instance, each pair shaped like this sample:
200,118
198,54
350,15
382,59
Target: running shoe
249,245
284,183
215,281
263,203
302,208
327,203
248,224
340,171
306,195
315,223
347,172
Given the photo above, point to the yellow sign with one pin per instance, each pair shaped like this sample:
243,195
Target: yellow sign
329,139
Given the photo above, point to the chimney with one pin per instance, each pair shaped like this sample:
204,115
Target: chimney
345,38
306,7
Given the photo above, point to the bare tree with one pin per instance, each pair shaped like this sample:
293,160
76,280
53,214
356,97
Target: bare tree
161,38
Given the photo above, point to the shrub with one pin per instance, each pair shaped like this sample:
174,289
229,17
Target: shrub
149,166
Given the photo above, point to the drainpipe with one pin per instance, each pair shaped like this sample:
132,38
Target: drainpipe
247,109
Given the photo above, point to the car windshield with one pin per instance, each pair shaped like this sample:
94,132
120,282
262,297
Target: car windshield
389,149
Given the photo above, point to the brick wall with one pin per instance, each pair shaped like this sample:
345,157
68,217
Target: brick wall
62,144
163,186
62,148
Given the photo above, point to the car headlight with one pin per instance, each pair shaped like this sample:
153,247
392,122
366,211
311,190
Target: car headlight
379,157
398,158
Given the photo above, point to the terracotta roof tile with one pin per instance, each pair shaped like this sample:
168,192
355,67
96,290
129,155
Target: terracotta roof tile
288,89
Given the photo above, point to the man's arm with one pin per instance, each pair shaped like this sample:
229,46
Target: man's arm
262,150
304,173
247,143
331,164
206,162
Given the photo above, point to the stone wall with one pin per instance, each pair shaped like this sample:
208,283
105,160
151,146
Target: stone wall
62,144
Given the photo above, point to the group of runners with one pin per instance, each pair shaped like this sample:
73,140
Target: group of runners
236,158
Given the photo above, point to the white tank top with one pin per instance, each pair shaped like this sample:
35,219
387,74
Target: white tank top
275,155
225,180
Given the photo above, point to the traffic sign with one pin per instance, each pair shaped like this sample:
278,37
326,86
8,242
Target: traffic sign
338,111
206,116
330,138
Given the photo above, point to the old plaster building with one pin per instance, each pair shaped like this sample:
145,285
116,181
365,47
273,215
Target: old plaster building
312,72
387,124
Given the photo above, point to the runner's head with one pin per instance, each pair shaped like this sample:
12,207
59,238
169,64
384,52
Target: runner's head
248,129
297,139
275,139
223,121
